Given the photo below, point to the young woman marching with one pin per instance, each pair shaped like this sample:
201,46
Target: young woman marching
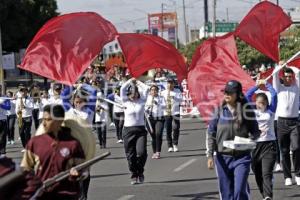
133,94
264,156
100,121
233,118
118,115
155,112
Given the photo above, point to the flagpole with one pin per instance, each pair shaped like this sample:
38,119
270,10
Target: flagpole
282,66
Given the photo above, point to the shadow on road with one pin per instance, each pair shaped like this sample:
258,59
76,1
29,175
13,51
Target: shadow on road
204,195
186,180
108,175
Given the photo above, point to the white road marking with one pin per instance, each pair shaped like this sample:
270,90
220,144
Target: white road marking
126,197
184,165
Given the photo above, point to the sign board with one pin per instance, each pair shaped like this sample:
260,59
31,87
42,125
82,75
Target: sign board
223,27
171,34
8,61
162,21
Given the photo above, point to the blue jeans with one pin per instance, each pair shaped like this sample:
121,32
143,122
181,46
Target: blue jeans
232,175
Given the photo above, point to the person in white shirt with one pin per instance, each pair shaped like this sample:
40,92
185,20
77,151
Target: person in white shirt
133,94
173,98
264,155
100,121
35,95
287,123
118,115
11,118
24,107
154,107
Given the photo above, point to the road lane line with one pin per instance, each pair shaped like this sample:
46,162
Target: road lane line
184,165
126,197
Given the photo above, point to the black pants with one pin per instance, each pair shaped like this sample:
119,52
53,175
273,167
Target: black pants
263,161
84,188
11,120
110,112
135,144
119,123
172,123
25,130
101,132
157,126
35,117
3,132
277,143
288,136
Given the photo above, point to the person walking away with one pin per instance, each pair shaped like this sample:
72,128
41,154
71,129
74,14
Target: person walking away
11,118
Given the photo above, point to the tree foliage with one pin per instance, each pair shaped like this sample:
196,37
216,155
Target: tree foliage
21,19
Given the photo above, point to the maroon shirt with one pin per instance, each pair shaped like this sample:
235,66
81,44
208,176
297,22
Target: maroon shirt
55,156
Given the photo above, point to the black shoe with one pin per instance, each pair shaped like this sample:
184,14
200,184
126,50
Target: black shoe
101,146
141,179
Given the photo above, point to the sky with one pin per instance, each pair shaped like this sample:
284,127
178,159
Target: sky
130,15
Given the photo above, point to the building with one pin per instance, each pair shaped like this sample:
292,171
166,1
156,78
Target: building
295,15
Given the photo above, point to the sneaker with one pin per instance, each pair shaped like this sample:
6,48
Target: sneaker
277,168
175,147
267,198
112,124
134,181
23,150
170,149
154,156
9,143
12,142
141,179
158,155
297,179
120,141
288,182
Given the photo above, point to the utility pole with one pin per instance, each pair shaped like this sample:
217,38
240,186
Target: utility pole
184,21
1,66
205,18
277,2
162,20
214,18
227,14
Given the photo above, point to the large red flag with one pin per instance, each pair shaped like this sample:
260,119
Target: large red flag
214,63
295,62
65,46
143,52
261,28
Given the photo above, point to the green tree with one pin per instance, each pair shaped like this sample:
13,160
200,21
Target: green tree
21,19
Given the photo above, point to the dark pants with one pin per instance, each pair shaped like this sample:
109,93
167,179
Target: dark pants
3,132
232,173
25,130
135,144
172,123
277,143
119,123
101,132
35,117
157,126
263,161
11,120
110,112
84,188
288,136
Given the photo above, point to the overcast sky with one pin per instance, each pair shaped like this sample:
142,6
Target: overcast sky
129,15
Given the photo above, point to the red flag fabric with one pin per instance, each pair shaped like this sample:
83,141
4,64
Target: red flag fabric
295,62
261,28
143,52
65,46
214,63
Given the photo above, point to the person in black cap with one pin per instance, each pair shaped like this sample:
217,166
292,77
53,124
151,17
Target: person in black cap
233,118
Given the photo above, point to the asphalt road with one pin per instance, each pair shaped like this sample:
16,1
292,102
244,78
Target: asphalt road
180,175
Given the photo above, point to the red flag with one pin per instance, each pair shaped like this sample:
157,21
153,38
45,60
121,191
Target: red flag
295,62
65,46
143,52
261,28
214,64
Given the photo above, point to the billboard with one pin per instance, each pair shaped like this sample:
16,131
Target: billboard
162,21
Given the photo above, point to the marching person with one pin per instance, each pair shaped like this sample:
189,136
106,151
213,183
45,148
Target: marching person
133,94
24,106
100,121
11,118
287,123
264,155
173,99
51,153
118,116
233,118
4,107
35,95
154,107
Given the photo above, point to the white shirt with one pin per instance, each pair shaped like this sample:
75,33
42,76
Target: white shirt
176,98
28,106
265,122
134,113
12,110
288,97
118,109
155,106
101,116
82,114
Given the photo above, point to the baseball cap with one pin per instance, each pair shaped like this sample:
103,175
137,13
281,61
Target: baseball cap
233,86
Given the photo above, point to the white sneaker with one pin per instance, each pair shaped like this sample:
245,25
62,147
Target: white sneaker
9,143
175,147
23,150
277,168
288,182
297,179
120,141
170,149
112,124
12,142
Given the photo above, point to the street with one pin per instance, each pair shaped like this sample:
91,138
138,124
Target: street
180,175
